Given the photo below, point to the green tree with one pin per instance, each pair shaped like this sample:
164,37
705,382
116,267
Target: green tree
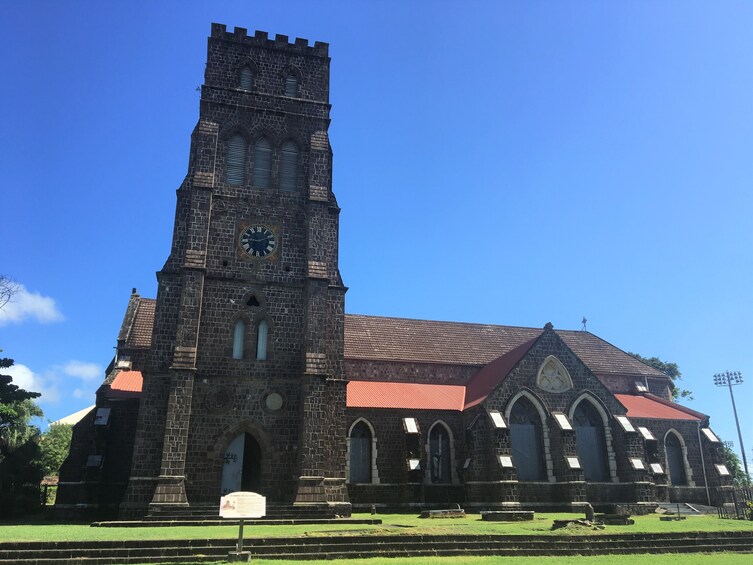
54,445
20,467
669,369
735,466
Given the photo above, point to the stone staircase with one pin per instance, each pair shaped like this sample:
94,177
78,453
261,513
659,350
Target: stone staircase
362,546
687,509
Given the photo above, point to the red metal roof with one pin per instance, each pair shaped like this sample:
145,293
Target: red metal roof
128,381
414,396
650,406
486,380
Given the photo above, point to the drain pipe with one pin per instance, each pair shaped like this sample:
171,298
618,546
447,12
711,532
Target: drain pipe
703,464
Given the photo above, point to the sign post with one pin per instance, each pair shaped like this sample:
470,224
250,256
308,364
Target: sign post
242,505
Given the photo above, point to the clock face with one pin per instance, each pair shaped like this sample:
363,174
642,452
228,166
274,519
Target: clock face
258,241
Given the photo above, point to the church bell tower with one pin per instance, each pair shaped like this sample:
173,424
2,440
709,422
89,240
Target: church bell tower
244,388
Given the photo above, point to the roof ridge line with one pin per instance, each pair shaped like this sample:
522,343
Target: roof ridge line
443,321
676,406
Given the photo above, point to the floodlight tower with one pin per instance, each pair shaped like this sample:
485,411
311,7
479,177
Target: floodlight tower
729,378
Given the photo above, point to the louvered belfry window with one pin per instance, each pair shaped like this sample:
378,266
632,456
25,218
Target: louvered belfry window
236,160
262,163
289,167
291,86
247,78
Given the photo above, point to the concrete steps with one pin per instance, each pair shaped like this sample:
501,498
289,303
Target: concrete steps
200,515
362,546
219,522
686,509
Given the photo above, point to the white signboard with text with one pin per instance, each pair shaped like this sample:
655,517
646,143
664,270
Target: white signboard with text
243,505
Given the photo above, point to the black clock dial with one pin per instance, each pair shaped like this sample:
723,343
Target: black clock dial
258,241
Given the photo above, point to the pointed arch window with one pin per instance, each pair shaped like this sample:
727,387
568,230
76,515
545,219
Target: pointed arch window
261,340
236,160
360,453
527,441
262,163
239,336
675,460
289,167
591,443
440,456
291,85
247,78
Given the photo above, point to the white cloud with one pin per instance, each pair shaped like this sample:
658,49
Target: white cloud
29,380
82,370
59,382
25,304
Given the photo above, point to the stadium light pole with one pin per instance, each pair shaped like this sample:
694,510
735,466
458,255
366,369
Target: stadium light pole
729,378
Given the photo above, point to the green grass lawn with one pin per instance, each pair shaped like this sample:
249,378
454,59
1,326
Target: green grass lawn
402,524
663,559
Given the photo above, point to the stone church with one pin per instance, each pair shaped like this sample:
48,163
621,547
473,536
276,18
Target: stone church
245,372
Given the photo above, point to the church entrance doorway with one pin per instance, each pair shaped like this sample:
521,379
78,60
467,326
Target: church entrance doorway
241,466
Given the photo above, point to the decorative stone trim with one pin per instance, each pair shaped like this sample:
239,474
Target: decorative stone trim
184,357
208,128
203,180
319,193
316,363
195,259
319,141
553,376
317,269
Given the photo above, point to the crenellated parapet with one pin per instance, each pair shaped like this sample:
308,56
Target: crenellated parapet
261,39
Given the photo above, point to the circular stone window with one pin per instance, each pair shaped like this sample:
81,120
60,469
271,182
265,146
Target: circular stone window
273,402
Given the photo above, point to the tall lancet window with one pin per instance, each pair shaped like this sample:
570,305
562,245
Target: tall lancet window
360,454
236,160
439,451
239,335
262,163
526,441
261,340
289,167
590,442
675,460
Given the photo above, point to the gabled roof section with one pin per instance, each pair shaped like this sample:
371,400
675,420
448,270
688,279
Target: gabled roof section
486,380
141,331
424,341
603,358
136,329
650,406
457,343
410,396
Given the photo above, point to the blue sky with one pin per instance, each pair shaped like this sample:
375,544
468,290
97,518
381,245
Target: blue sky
499,162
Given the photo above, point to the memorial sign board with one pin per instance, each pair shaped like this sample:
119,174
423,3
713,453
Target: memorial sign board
243,505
